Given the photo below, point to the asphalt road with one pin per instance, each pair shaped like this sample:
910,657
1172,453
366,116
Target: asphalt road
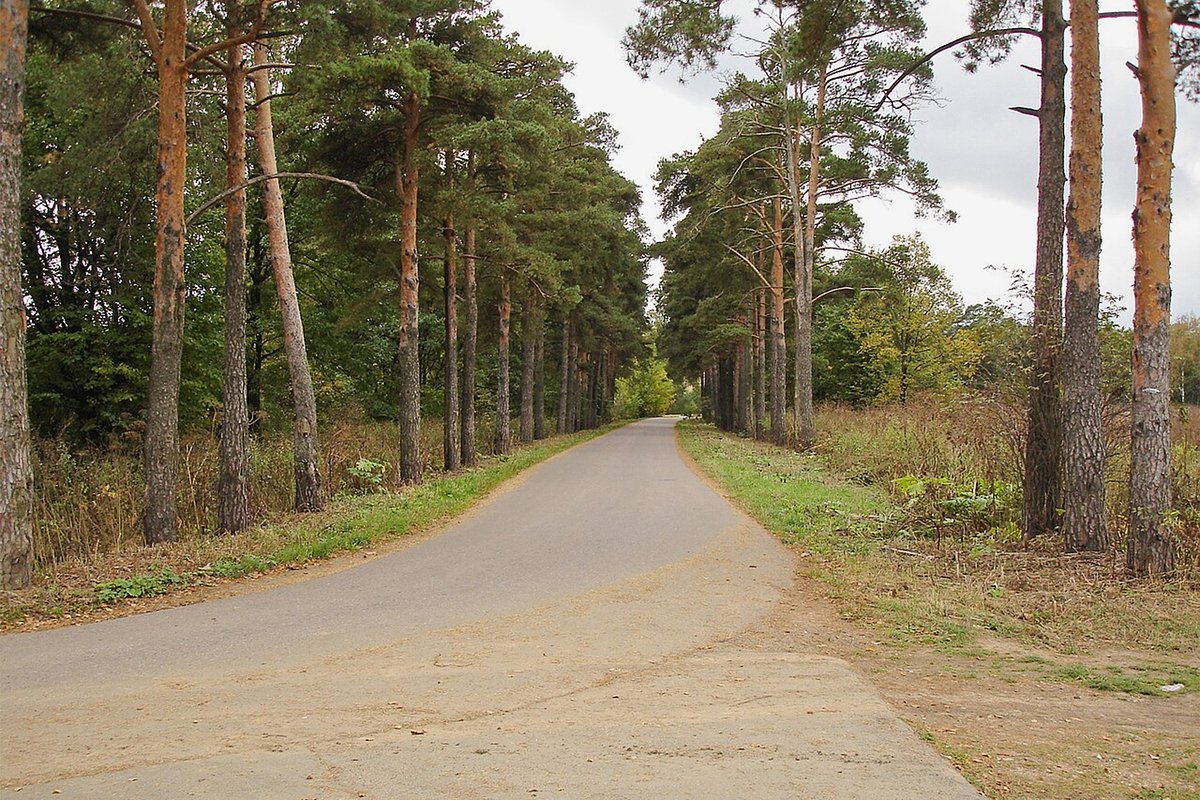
567,637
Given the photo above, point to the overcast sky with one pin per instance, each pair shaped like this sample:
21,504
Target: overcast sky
983,155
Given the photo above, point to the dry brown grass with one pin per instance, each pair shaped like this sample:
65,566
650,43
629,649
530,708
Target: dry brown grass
90,502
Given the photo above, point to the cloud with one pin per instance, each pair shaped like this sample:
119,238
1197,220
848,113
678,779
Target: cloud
984,155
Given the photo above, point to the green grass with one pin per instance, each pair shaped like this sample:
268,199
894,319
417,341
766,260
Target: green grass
935,596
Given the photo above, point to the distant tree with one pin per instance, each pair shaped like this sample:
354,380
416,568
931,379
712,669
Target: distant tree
646,391
910,329
1185,358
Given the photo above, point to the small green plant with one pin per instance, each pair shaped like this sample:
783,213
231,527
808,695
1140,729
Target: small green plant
139,585
367,474
237,567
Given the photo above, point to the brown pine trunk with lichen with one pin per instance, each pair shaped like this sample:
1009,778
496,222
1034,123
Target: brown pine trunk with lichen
1085,526
1151,550
539,382
528,351
304,402
450,422
503,387
1042,482
564,376
407,176
16,473
778,342
233,481
161,523
470,339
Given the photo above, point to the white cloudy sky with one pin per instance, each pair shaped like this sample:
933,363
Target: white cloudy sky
984,156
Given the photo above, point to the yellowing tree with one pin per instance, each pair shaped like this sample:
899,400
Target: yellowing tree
909,328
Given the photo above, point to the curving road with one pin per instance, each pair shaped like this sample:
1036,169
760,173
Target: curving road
567,637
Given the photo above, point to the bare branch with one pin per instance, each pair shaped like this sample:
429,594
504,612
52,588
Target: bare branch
925,59
212,201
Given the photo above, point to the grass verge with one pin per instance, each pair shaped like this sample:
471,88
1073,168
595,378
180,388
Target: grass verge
1038,675
117,582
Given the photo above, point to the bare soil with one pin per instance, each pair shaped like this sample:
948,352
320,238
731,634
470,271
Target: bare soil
1010,731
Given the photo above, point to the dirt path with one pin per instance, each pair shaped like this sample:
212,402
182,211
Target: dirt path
611,645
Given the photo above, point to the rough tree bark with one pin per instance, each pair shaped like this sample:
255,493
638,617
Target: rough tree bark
503,425
233,489
470,339
760,362
1151,550
1042,484
304,402
16,475
778,342
1084,524
169,48
529,327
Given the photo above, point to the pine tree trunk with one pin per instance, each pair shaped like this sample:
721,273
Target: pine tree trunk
233,481
1043,446
304,402
539,383
503,389
745,383
1085,526
1151,551
573,388
760,363
450,422
602,387
778,342
564,394
161,522
16,475
470,338
407,177
528,350
806,259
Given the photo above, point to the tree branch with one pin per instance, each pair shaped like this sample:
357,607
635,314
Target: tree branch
212,201
260,18
149,29
925,59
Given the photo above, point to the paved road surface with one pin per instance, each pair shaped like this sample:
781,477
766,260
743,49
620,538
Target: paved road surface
568,638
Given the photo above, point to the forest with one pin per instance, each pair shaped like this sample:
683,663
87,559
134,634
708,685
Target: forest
369,213
399,247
